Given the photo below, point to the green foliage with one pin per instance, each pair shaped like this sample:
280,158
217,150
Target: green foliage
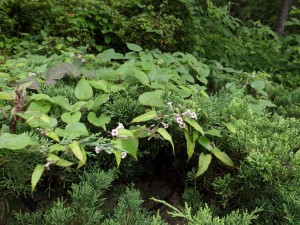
288,103
58,24
269,166
129,210
204,215
213,113
86,202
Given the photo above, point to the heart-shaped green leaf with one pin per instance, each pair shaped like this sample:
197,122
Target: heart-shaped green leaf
71,117
100,121
15,141
83,90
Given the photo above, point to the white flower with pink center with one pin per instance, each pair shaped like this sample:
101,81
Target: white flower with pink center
182,125
114,132
193,115
179,120
124,154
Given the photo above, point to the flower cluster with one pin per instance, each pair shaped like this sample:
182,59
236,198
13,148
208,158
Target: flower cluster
179,117
179,120
115,132
189,114
72,54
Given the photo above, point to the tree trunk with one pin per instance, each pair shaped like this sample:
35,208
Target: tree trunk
283,16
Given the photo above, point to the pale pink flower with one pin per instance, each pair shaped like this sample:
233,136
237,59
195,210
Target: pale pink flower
179,120
120,126
98,150
186,113
193,115
165,125
124,154
114,132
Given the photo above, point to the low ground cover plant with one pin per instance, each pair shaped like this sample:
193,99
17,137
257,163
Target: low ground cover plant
101,101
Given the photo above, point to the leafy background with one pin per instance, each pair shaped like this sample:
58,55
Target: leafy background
149,112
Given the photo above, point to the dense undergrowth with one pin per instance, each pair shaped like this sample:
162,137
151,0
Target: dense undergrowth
99,97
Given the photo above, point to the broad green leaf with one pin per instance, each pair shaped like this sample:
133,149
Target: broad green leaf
108,55
82,162
125,69
77,106
202,69
83,91
118,155
56,148
205,143
204,161
117,88
259,105
213,132
39,107
100,84
90,104
258,84
141,76
125,133
59,161
62,101
140,131
145,117
190,144
204,94
152,98
100,121
100,100
182,93
130,145
156,85
131,55
15,141
196,135
28,85
75,147
74,130
134,47
38,97
36,175
188,77
71,117
39,120
230,127
53,135
166,136
7,95
194,124
223,157
185,91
